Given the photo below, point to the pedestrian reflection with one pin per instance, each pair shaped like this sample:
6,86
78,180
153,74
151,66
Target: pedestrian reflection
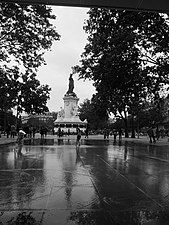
27,149
151,149
125,152
69,168
18,160
78,160
68,177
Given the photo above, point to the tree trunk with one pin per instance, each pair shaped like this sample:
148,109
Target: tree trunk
4,116
5,120
138,129
126,128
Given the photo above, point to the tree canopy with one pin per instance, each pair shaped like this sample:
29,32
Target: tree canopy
27,33
94,112
126,56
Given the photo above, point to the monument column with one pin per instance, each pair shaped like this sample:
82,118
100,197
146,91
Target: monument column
70,105
68,117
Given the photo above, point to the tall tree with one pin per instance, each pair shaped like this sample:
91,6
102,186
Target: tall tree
126,56
33,96
26,33
22,92
8,89
94,112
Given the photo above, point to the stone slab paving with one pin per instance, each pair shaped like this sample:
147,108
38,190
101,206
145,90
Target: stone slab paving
48,181
108,183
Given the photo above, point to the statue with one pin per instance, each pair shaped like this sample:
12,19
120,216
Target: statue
71,85
61,113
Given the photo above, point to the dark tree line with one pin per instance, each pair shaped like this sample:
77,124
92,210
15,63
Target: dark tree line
94,112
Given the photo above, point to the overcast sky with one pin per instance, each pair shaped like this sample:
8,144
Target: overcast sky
65,54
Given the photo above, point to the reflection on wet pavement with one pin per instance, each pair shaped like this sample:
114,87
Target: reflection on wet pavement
108,183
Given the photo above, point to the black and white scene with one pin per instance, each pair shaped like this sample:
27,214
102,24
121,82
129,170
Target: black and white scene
84,112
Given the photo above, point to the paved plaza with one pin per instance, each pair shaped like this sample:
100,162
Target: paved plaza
108,182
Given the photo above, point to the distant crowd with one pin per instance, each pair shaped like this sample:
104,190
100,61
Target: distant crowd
30,131
11,131
153,133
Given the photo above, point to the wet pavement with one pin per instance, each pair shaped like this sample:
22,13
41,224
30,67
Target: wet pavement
117,183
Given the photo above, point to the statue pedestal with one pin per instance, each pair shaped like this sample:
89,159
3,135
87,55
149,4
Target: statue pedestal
68,118
70,106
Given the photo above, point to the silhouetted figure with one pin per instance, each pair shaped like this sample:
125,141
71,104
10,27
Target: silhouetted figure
59,132
34,132
78,137
8,130
86,133
104,133
13,131
30,132
151,135
42,132
45,130
107,133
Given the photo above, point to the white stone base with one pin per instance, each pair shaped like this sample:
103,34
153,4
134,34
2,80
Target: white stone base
68,117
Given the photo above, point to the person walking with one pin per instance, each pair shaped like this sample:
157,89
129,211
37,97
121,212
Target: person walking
19,141
105,133
78,139
13,131
59,132
8,130
151,135
86,133
34,132
42,132
45,131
